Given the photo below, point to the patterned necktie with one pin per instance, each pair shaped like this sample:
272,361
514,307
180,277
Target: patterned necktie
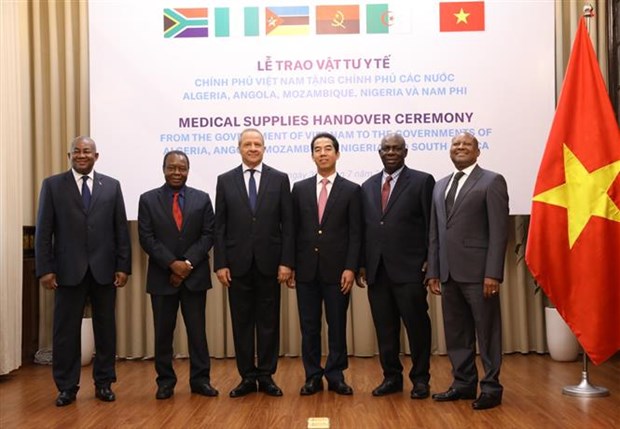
385,193
322,198
85,193
452,192
177,214
252,193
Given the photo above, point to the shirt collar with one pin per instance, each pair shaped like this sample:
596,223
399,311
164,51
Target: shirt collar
394,174
78,176
331,178
258,168
467,170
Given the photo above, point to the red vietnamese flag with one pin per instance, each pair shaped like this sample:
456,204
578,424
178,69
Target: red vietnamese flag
573,248
461,16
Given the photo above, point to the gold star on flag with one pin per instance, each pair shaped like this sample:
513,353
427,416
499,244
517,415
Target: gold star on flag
461,16
584,194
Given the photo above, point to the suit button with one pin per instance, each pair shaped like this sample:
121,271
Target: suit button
320,231
316,249
253,219
381,223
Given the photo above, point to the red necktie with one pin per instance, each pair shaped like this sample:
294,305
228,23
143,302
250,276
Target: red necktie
323,199
177,214
385,192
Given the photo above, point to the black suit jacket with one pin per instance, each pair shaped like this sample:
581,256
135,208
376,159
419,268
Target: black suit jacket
326,249
399,236
164,243
265,236
69,239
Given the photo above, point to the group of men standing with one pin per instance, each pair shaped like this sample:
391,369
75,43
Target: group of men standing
397,234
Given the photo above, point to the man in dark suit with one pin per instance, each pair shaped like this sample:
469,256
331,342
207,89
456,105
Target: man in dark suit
253,254
396,204
327,213
175,224
82,251
469,232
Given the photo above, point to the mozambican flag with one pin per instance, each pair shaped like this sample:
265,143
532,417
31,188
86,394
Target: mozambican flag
287,20
334,19
461,16
186,22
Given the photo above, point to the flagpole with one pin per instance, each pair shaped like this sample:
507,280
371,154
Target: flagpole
585,389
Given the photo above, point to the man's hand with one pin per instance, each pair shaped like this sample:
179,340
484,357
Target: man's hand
361,278
491,287
175,280
434,286
48,281
120,279
181,269
284,274
291,281
346,281
223,275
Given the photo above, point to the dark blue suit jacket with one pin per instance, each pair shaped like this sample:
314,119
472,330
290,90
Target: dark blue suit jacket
69,239
327,249
265,236
164,243
399,236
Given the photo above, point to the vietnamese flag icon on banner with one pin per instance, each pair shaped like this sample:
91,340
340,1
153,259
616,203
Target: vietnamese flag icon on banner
461,16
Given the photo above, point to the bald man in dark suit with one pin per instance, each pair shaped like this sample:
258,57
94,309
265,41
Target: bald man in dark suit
397,205
82,252
254,254
469,232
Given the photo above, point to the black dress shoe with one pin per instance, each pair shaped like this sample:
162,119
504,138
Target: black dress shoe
268,386
453,395
65,397
420,391
389,385
246,386
164,392
341,388
486,401
104,393
204,389
312,386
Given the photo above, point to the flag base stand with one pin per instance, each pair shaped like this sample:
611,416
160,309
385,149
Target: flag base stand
585,389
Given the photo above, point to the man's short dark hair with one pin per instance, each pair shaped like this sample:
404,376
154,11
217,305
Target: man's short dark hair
325,136
175,152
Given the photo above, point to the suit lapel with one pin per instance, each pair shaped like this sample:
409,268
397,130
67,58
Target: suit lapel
240,184
73,190
309,194
331,200
98,184
165,205
265,177
401,184
469,184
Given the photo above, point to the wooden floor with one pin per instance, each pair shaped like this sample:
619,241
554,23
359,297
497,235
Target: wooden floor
532,399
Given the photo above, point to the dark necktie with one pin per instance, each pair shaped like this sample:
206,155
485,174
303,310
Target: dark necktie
385,193
252,193
452,192
177,214
323,198
85,193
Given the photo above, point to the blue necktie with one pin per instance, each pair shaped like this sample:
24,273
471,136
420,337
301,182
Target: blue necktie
85,192
252,193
